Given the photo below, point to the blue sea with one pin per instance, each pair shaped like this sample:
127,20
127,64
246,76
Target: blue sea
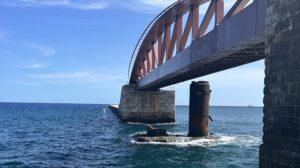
77,135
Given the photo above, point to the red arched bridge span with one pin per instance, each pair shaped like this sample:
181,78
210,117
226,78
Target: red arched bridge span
178,45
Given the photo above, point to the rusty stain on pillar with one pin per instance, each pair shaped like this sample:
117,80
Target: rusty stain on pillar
199,109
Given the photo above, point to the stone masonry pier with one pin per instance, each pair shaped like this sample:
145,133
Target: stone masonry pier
146,106
281,139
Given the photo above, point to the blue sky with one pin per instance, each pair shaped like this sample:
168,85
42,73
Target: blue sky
77,51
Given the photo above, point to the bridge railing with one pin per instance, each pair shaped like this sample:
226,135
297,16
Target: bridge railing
157,43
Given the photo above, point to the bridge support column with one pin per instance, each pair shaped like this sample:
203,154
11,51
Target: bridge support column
147,106
281,139
199,109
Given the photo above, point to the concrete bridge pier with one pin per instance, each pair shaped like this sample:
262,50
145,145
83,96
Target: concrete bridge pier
146,106
199,109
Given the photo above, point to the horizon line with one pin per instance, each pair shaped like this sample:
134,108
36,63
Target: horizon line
3,102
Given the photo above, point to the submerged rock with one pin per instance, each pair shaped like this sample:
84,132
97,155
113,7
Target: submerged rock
161,135
155,132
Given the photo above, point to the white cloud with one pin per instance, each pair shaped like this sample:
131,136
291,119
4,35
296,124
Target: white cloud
47,2
26,83
33,66
90,6
43,49
158,2
74,4
156,6
25,66
143,6
91,78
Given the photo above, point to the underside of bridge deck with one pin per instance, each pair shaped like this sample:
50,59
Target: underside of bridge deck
208,66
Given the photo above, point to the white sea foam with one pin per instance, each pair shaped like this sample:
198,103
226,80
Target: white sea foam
248,141
137,133
151,124
220,139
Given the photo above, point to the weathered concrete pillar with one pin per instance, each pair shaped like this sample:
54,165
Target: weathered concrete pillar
281,139
199,109
147,106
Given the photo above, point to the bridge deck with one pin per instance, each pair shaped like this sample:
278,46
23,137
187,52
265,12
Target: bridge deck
237,40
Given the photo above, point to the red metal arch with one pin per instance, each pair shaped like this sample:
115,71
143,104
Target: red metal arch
158,41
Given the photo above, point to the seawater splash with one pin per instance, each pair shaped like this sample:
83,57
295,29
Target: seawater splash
180,139
247,141
158,124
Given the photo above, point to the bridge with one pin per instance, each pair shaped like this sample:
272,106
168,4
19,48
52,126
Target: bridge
194,38
190,39
170,52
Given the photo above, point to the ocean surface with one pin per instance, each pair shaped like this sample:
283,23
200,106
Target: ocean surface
70,135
